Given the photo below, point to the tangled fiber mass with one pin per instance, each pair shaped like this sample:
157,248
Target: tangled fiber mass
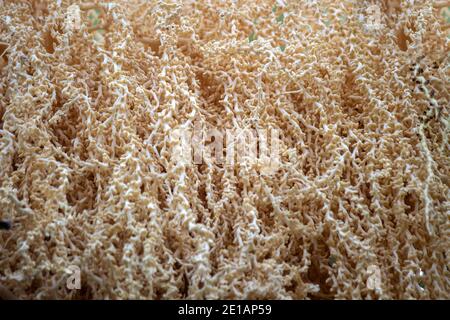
90,92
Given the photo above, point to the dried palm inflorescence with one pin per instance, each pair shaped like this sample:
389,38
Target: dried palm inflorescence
359,207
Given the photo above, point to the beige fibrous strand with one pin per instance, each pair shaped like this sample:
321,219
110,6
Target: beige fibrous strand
91,93
441,4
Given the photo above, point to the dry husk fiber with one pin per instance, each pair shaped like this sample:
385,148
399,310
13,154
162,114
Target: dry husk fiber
87,178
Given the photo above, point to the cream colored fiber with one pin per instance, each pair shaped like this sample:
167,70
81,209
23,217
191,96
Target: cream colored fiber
88,180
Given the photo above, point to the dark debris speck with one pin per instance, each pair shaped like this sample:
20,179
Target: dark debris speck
5,225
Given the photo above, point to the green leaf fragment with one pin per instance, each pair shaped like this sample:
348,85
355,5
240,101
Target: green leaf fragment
282,48
280,18
274,8
421,284
331,260
252,37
